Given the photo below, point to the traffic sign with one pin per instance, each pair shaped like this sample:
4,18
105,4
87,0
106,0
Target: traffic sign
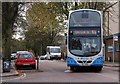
115,37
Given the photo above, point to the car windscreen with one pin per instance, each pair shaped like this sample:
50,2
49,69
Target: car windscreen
25,56
55,50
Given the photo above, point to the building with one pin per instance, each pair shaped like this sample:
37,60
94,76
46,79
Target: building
109,48
113,25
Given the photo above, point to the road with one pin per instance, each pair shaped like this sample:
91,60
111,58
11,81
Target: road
57,71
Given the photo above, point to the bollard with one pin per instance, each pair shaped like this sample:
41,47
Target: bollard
37,63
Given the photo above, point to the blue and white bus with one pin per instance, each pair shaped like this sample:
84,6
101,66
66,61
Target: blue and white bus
85,39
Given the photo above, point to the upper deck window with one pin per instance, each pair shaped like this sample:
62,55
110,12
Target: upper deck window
85,18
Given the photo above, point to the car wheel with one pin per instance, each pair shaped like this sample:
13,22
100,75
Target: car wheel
34,66
51,58
60,58
17,67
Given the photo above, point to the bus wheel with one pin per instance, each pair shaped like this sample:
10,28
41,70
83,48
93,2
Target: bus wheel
99,69
73,68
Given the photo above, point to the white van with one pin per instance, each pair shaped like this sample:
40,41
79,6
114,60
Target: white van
53,52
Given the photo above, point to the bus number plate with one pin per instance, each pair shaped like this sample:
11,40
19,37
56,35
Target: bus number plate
84,59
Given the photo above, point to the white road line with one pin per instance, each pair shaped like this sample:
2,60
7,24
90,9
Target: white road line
68,71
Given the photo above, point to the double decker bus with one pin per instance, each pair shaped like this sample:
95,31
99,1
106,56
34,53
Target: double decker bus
85,39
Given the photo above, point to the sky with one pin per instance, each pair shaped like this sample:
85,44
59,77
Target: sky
19,30
114,26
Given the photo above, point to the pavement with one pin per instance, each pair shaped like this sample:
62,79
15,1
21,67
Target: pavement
111,64
11,73
14,72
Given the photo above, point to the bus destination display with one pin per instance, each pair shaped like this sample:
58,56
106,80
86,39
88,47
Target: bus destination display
85,32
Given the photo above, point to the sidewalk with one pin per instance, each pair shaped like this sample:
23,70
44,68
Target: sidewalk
12,72
110,64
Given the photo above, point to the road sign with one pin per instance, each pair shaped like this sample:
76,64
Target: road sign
115,37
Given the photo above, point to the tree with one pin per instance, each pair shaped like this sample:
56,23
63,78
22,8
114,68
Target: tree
17,45
9,13
43,27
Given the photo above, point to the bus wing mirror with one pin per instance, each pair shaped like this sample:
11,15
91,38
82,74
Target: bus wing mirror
103,45
66,41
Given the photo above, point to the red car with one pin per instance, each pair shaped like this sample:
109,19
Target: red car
25,59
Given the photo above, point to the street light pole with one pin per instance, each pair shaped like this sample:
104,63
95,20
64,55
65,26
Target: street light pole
108,22
113,49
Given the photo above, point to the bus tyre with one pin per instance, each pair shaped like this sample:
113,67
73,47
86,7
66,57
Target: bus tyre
73,68
99,69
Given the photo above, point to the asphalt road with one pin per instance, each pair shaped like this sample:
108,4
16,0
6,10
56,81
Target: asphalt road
57,71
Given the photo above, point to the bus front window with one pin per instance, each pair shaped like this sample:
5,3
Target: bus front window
86,46
76,44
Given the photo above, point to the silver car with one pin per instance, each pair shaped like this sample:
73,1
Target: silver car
43,57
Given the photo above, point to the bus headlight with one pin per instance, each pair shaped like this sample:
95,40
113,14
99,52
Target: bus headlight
70,60
99,60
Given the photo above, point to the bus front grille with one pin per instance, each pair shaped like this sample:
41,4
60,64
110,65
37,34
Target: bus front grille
84,61
89,61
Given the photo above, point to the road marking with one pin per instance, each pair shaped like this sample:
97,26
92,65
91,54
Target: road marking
23,76
68,71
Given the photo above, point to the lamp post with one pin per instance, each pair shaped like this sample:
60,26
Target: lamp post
108,22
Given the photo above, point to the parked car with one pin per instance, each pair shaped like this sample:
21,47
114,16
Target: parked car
21,52
13,56
25,59
43,57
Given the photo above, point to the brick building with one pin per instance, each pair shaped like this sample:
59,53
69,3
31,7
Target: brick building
109,48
